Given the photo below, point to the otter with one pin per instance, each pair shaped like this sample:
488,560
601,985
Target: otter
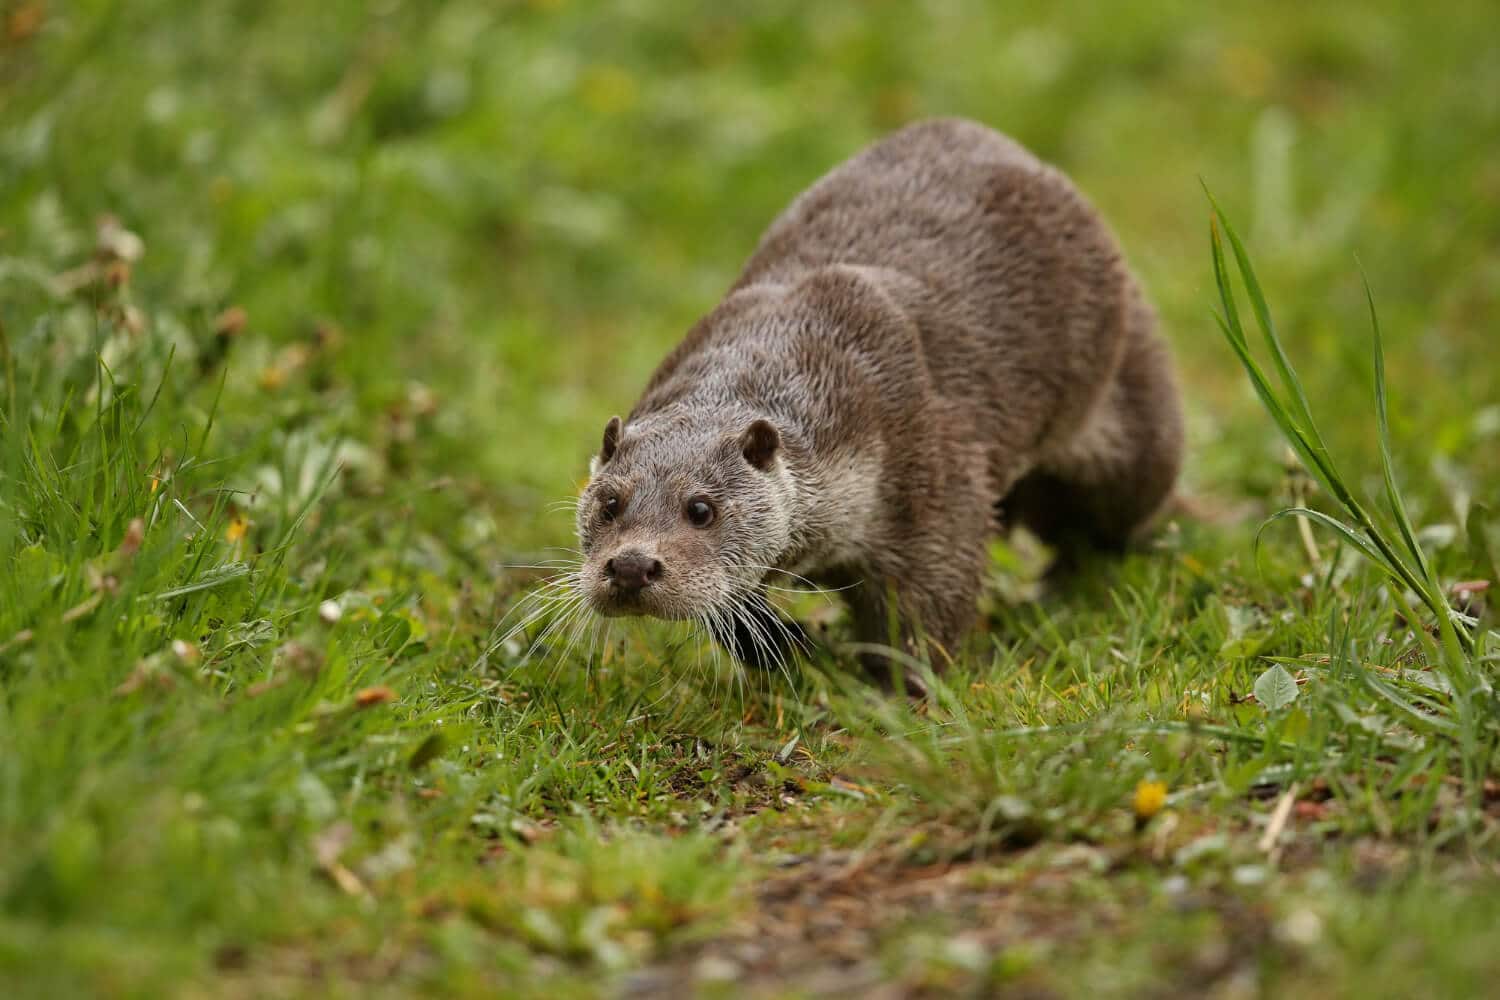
938,340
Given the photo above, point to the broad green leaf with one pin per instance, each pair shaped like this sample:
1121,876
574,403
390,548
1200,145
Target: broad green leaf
391,632
1275,689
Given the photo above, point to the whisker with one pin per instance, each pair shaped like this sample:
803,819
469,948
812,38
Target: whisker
533,604
764,623
544,592
738,675
810,586
572,604
574,631
673,684
706,631
540,607
761,638
556,661
537,602
821,592
797,639
599,626
761,609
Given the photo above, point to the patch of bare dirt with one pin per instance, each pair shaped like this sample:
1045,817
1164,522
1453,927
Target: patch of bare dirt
820,924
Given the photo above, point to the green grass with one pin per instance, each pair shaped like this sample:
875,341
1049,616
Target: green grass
274,441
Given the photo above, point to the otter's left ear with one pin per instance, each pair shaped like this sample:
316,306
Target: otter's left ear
759,443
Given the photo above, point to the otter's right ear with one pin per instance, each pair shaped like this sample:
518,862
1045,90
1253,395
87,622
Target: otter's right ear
759,443
611,440
610,444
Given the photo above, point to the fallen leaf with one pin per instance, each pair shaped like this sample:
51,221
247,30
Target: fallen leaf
78,611
298,657
261,687
143,673
135,533
1312,811
21,638
327,846
231,321
1278,819
25,21
377,695
116,243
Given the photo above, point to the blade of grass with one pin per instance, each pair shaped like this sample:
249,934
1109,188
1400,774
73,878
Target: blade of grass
1448,629
1289,379
1315,459
1306,442
1344,532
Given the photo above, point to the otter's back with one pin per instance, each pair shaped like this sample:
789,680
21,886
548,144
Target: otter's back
916,196
1017,286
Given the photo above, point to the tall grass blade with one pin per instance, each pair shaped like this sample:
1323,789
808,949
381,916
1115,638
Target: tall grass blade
1348,534
1289,379
1296,423
1456,638
1392,493
1304,444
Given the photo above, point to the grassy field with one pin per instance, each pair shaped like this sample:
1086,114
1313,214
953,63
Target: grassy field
309,314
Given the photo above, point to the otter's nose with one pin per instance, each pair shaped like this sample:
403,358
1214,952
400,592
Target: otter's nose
632,570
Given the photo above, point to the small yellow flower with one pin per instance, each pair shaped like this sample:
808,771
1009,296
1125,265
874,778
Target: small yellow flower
1150,797
238,525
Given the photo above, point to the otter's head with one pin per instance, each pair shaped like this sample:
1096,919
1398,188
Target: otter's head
682,516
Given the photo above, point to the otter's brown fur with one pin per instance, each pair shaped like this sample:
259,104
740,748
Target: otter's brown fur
939,332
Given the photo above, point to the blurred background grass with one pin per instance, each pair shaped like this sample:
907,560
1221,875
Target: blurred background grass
441,244
522,205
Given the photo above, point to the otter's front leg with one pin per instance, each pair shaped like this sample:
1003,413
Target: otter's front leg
935,589
756,635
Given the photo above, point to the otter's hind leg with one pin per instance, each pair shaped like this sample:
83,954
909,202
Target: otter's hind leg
1114,476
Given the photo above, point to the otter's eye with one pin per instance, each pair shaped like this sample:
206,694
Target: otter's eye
609,508
700,512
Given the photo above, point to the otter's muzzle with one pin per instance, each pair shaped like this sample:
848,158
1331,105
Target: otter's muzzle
631,572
